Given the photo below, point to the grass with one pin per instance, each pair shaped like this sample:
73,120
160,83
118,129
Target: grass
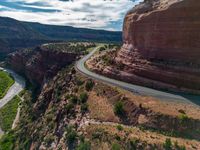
8,113
7,140
6,81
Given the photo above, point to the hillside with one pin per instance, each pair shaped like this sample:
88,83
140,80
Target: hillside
73,112
16,35
78,34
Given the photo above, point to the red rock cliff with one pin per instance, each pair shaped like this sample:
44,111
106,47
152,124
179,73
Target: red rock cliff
40,64
162,43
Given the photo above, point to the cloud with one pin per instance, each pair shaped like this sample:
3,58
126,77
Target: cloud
97,14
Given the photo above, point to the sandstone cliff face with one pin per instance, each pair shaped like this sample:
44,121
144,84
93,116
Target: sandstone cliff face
162,43
40,64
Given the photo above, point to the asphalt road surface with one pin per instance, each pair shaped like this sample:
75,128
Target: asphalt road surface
186,98
15,89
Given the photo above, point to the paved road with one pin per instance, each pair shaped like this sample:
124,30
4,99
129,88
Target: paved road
17,87
80,65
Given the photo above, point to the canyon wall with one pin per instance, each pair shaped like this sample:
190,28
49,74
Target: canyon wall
40,64
162,43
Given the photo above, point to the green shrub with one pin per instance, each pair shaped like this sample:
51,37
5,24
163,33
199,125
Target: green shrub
117,137
183,118
74,99
89,85
71,135
69,107
102,49
83,97
84,146
84,107
177,147
98,134
168,144
115,146
49,139
79,82
108,60
119,127
133,144
119,108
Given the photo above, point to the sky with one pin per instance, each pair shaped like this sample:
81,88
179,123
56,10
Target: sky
95,14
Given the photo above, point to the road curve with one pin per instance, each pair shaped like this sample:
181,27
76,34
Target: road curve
15,89
80,66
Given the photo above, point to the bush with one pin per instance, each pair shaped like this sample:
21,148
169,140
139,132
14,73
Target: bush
84,146
183,118
83,97
102,49
79,82
133,144
179,147
108,60
74,99
98,134
69,107
168,144
119,108
89,85
115,146
117,137
49,139
71,135
84,107
119,127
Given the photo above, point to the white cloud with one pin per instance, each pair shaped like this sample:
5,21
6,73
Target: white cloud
80,13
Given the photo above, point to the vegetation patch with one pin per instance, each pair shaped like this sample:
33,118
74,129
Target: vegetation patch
119,108
7,141
6,81
8,113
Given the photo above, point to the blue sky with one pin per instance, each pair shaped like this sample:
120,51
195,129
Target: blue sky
96,14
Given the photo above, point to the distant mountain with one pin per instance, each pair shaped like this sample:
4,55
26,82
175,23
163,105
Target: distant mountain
70,33
16,34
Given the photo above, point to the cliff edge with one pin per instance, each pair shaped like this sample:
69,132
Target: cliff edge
161,46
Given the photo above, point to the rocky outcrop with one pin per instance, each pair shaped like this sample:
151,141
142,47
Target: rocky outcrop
40,64
162,44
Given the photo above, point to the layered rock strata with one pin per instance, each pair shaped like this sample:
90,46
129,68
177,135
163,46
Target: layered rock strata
161,45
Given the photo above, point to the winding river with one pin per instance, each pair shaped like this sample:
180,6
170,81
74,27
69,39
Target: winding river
15,89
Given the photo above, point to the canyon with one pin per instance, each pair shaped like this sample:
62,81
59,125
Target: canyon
71,110
42,63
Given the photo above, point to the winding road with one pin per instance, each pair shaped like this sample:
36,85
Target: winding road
15,89
186,98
